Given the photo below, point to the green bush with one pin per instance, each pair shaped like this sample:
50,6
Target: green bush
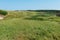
3,12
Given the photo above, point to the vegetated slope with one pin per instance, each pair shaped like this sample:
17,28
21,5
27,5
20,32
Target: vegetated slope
30,26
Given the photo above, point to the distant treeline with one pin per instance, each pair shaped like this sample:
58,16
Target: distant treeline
56,11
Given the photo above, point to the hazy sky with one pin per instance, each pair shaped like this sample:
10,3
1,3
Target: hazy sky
29,4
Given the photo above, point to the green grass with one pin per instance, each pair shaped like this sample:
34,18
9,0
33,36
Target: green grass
19,28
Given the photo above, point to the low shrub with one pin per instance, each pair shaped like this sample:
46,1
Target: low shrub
3,12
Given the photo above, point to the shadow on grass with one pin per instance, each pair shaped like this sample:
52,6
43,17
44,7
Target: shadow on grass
35,17
41,19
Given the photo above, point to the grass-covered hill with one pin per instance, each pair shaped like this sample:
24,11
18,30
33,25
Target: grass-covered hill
30,25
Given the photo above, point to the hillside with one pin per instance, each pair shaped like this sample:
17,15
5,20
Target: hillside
30,25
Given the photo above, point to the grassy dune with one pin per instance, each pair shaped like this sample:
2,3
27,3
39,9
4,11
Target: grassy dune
30,26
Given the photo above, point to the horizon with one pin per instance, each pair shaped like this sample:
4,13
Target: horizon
30,4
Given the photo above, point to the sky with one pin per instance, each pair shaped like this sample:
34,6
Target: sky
30,4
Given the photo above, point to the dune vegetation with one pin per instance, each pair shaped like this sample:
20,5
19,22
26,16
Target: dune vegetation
30,25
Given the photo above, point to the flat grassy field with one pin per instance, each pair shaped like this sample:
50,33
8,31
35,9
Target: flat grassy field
25,25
